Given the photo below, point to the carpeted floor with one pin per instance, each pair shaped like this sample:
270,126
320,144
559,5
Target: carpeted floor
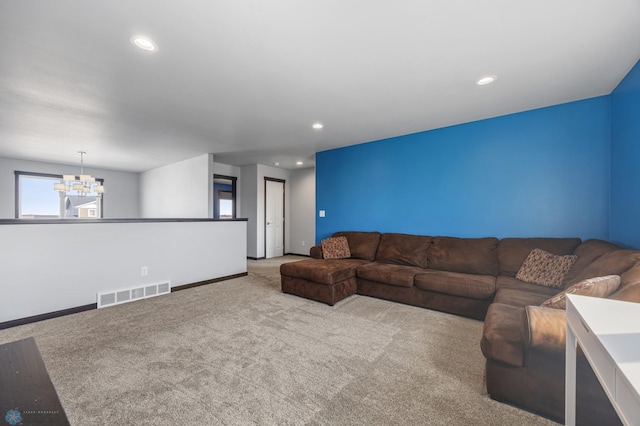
240,352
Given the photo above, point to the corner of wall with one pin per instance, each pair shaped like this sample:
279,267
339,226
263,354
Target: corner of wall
210,171
624,205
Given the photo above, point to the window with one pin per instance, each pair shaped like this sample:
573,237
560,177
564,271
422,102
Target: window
226,206
36,199
224,193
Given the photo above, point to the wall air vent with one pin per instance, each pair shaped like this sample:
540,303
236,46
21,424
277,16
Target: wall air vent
129,295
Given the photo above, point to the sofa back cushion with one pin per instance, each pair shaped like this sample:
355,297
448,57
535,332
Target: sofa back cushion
362,245
466,255
587,253
613,263
404,249
513,251
629,289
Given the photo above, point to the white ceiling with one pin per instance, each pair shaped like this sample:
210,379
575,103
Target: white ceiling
245,80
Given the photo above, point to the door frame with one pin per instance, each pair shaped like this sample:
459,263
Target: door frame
284,215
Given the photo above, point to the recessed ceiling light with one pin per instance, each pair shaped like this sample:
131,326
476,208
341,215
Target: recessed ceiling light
144,43
317,126
487,79
276,164
299,163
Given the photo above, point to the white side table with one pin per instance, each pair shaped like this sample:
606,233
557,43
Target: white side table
608,332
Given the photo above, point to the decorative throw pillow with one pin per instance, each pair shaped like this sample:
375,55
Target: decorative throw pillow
335,248
594,287
544,268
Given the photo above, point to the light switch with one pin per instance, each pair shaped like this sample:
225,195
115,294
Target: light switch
321,213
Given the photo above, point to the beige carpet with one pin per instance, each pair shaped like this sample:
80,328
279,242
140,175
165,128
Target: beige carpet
240,352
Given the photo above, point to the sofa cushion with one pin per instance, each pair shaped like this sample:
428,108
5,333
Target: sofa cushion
466,255
513,251
404,249
587,253
545,268
458,284
386,273
612,263
518,297
322,271
594,287
502,336
336,248
362,245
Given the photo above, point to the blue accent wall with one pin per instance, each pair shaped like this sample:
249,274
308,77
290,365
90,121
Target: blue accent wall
544,172
625,161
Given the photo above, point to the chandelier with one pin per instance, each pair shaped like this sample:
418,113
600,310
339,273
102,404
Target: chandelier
83,184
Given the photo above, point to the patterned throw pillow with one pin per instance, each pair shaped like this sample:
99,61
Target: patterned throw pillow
544,268
335,248
594,287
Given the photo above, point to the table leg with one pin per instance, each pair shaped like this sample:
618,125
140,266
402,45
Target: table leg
570,379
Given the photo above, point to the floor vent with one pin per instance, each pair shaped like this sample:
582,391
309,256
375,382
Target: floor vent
129,295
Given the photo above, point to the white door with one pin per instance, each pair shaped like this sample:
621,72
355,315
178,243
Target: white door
274,215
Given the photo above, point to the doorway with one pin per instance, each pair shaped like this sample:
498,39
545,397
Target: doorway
274,217
224,197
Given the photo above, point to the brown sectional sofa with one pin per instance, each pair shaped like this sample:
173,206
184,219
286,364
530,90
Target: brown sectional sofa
524,344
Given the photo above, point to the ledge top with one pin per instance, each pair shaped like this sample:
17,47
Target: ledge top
76,221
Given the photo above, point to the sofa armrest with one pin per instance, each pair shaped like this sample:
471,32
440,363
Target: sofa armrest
502,335
316,252
545,329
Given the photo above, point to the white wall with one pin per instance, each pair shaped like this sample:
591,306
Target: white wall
227,170
51,267
249,202
303,202
179,190
120,200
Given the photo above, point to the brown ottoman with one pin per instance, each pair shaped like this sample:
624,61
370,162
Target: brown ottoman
322,280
